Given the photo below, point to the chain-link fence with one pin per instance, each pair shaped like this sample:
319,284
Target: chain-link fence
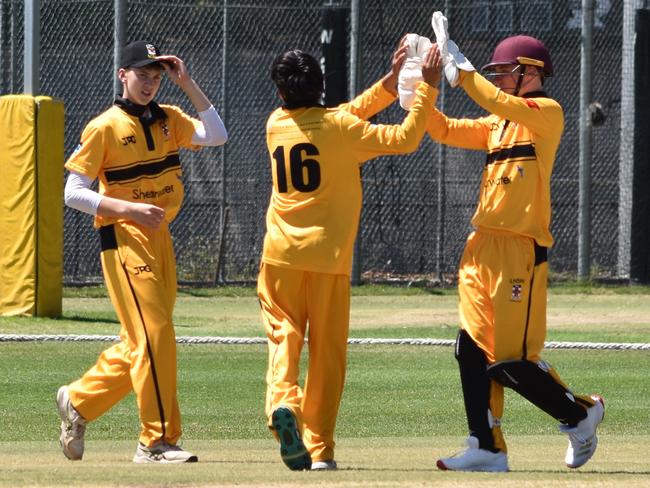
417,208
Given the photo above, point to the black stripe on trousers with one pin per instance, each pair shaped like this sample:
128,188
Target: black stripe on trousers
541,256
109,241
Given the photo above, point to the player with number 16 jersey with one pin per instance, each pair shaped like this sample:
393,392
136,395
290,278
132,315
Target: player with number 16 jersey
312,221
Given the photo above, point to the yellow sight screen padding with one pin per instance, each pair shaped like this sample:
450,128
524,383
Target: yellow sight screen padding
31,205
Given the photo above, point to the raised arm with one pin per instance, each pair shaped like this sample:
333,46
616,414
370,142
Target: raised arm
465,133
540,115
383,93
370,140
213,132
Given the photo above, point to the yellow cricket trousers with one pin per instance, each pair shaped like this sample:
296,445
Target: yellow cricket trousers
140,273
502,284
289,300
503,295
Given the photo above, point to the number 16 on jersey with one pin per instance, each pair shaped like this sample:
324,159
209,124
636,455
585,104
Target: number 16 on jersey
304,170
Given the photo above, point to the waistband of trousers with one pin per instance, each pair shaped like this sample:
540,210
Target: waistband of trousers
541,252
107,239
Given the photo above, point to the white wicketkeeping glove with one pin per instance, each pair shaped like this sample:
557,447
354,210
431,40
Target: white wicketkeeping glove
411,73
452,58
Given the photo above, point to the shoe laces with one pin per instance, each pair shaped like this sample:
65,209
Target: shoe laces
161,447
75,423
466,446
577,438
172,447
585,430
155,452
76,429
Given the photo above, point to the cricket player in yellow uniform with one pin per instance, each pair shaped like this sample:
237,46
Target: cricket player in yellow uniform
311,224
133,149
503,271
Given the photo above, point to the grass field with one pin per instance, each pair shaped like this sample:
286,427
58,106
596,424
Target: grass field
402,407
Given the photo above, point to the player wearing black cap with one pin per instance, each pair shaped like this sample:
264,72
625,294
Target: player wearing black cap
133,150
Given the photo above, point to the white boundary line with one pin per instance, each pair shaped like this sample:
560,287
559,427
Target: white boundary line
360,341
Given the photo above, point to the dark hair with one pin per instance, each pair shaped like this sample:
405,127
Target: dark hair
298,77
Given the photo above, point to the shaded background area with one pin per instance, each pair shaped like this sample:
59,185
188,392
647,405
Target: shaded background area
417,208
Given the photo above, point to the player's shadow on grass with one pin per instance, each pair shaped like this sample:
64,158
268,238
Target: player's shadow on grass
397,470
583,472
512,471
243,461
84,318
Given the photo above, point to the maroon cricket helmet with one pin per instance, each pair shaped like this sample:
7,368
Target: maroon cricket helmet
524,50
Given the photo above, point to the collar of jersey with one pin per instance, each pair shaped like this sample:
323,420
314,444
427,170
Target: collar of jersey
296,105
535,94
136,110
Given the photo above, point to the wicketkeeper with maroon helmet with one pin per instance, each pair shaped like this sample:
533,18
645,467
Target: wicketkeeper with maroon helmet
502,279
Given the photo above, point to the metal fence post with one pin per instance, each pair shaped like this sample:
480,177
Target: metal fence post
626,153
440,204
441,150
355,71
640,232
223,111
32,66
119,40
584,206
3,43
13,63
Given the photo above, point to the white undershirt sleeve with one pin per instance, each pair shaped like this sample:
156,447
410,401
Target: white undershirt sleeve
213,132
78,194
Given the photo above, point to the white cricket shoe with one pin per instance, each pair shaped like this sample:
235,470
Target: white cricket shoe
582,438
475,459
329,465
73,426
164,453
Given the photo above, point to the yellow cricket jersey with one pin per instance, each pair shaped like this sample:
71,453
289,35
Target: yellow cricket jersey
315,156
521,137
136,159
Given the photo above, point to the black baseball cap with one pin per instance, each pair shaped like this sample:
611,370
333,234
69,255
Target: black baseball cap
139,54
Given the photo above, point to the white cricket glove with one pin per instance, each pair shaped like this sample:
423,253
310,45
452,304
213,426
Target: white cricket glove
452,58
411,73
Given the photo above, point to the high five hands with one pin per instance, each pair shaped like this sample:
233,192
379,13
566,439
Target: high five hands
432,66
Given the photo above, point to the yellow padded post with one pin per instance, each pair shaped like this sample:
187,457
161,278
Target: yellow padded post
31,205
